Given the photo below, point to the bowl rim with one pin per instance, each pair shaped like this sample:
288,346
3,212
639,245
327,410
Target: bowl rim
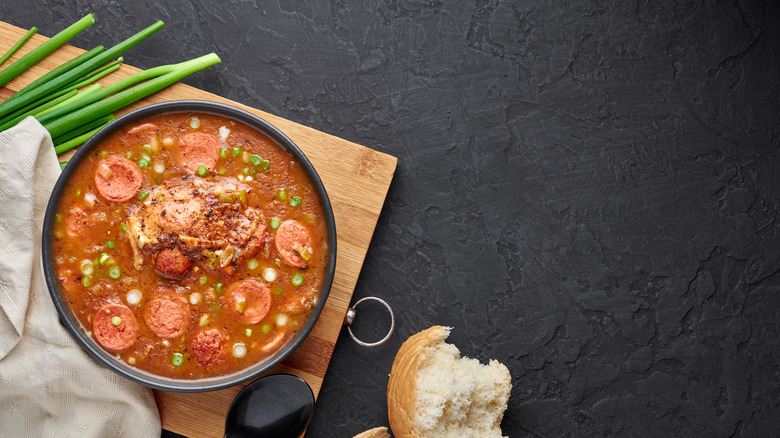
109,360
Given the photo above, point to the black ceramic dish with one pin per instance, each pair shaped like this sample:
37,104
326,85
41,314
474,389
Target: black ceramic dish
108,359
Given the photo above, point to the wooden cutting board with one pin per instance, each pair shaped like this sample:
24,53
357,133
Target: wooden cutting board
356,179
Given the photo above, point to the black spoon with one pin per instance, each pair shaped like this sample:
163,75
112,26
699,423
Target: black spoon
279,405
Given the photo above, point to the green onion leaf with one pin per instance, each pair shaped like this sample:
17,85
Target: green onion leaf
255,160
252,264
275,223
297,279
114,273
295,201
202,171
44,49
203,279
111,244
20,43
177,359
116,320
141,196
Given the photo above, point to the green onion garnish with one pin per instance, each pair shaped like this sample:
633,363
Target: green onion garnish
282,194
142,195
116,320
297,279
237,151
222,153
114,272
255,160
122,226
252,264
265,329
275,223
202,171
295,201
219,287
203,279
111,244
86,281
248,332
266,164
177,359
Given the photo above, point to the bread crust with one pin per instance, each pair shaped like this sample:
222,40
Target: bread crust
377,432
402,385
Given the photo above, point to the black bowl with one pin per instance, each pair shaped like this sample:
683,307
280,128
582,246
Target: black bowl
109,360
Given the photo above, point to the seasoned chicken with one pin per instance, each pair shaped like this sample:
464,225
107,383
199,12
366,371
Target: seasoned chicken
208,221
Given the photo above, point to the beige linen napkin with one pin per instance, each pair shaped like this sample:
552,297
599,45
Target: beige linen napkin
48,385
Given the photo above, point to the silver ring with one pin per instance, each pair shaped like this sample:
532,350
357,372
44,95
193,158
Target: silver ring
350,318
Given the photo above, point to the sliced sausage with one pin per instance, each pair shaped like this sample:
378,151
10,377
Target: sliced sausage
292,240
144,133
117,179
78,222
275,343
168,314
172,263
115,337
208,346
198,149
250,300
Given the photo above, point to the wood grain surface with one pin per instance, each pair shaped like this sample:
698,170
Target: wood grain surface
356,179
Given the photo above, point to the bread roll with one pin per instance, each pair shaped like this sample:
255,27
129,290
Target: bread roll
434,393
377,432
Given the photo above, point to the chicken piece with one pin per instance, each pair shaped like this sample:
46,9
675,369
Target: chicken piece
206,220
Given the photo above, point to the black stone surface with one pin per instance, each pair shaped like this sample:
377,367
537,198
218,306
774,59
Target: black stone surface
586,191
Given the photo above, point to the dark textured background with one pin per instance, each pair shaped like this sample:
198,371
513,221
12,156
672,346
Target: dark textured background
586,191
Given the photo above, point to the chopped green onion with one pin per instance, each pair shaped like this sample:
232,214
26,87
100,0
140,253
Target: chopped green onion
203,279
248,332
222,153
122,226
177,359
219,287
237,151
277,290
246,156
86,267
255,160
282,194
146,149
116,320
295,201
58,218
252,264
143,162
275,223
86,281
194,123
297,279
20,43
141,196
111,244
202,171
310,218
266,164
265,329
245,170
114,272
103,258
44,49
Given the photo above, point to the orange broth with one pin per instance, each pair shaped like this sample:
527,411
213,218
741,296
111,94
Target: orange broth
100,234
